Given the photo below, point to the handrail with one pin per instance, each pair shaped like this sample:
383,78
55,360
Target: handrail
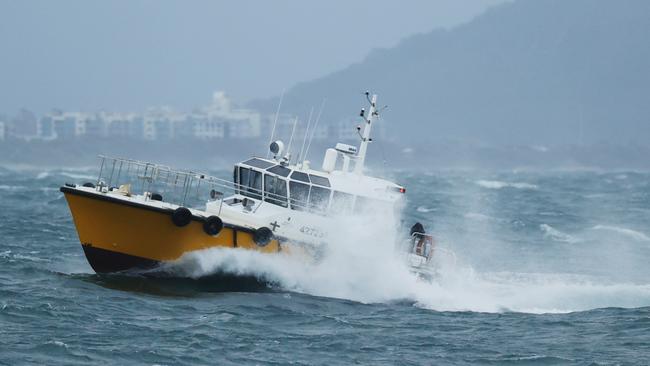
181,186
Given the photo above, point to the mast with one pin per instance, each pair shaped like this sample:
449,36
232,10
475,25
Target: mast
365,135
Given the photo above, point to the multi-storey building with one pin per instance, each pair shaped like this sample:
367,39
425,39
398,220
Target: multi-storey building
221,120
218,120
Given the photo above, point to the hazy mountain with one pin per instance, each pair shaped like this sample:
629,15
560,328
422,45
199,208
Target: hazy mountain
527,72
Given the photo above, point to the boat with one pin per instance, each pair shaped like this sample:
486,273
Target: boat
138,215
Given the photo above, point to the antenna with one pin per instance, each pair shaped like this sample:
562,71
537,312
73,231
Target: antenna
275,121
365,136
295,121
306,133
313,131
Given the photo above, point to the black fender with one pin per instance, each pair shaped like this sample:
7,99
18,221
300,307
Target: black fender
181,216
212,225
262,236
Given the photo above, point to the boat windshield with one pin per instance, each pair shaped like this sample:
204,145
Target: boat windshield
275,190
299,193
319,198
250,183
303,191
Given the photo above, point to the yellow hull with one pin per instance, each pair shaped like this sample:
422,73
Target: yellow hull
118,235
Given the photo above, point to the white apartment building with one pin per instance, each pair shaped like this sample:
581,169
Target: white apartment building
218,120
221,120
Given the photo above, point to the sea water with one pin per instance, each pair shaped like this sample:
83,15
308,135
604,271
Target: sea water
533,268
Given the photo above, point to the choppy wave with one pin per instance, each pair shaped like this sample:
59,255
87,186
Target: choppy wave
5,187
557,235
456,288
364,267
424,209
636,235
496,184
529,293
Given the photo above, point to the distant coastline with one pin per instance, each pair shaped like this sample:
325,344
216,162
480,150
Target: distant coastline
222,154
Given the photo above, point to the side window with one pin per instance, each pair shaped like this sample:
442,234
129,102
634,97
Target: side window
299,193
269,188
341,202
250,183
255,184
235,179
243,178
281,191
275,190
319,198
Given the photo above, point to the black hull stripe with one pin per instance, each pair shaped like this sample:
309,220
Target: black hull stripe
106,261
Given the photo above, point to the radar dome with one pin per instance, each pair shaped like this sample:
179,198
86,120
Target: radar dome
277,147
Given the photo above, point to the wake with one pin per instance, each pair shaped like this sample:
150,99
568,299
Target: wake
360,263
380,279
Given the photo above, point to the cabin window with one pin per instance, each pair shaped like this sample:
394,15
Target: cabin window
235,180
321,181
341,202
319,198
243,177
275,190
280,170
281,191
300,176
250,183
299,193
255,186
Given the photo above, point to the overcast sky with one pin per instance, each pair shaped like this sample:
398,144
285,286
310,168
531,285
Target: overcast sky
127,55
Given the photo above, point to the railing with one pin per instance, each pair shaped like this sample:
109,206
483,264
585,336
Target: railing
184,188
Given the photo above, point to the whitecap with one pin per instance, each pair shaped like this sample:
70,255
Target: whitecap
42,175
555,234
463,290
495,184
30,258
58,343
11,188
424,209
636,235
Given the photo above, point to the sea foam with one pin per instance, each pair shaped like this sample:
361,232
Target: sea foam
636,235
557,235
495,184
